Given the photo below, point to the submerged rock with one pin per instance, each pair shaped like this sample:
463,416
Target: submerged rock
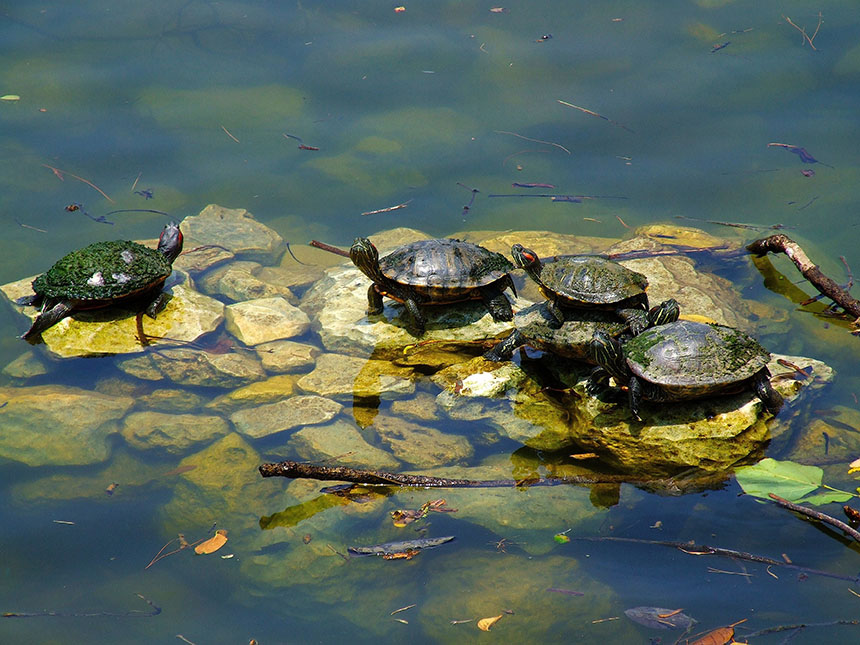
265,319
238,281
172,433
421,445
341,441
195,367
264,420
339,376
55,425
284,356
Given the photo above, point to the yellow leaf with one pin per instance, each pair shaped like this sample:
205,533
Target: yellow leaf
10,97
485,623
212,544
854,466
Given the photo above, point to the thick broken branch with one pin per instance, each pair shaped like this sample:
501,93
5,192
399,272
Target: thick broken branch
783,244
816,515
296,470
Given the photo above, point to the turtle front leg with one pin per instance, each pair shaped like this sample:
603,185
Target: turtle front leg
374,301
597,381
497,303
770,398
555,311
634,392
504,349
48,318
636,319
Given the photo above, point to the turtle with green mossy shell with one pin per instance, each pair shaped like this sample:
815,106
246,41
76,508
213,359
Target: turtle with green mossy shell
103,274
587,282
683,360
433,272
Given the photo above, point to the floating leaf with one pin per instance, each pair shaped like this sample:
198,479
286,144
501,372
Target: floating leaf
659,617
10,97
854,466
784,478
719,636
561,538
485,623
828,496
212,544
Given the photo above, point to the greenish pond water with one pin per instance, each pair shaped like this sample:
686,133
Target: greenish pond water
193,101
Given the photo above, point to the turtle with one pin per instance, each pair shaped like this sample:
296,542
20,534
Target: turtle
103,274
436,271
587,282
683,360
536,327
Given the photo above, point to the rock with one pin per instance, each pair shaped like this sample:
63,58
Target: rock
238,281
280,356
264,320
268,391
668,235
831,437
27,365
113,330
290,275
72,424
235,230
421,407
193,367
196,260
336,375
342,441
420,445
172,433
170,400
264,420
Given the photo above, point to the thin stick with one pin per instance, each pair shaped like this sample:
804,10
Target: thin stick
599,116
126,614
329,248
549,143
229,135
816,515
802,30
134,185
59,174
785,628
388,209
33,228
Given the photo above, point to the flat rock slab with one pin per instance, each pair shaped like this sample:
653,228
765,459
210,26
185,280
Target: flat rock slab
71,425
265,319
187,316
171,433
238,281
268,391
264,420
337,375
421,445
235,230
343,441
284,356
195,367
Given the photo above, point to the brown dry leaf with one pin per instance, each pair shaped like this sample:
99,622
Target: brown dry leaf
719,636
212,544
485,623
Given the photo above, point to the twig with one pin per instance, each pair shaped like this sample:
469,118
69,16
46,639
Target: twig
802,30
134,185
227,132
549,143
59,174
125,614
816,515
388,209
785,628
329,248
754,227
599,116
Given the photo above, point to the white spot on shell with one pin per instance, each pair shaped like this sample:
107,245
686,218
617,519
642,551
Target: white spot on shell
127,256
120,278
96,280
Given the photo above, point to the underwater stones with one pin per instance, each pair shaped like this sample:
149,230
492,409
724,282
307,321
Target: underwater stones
831,437
236,230
291,276
238,281
479,378
284,356
170,400
193,367
187,315
172,433
73,424
337,375
343,441
265,319
27,365
420,445
267,391
264,420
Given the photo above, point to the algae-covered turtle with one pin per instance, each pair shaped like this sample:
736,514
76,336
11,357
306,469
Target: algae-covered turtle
587,282
432,272
536,327
684,360
103,274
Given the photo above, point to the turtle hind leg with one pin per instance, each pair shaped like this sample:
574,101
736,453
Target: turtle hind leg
497,303
504,349
48,318
418,319
157,305
770,398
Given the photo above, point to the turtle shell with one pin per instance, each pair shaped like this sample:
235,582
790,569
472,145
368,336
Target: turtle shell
591,279
694,359
104,271
573,337
444,267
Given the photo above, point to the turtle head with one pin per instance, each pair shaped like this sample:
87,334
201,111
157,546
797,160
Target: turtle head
528,260
666,312
170,241
606,352
365,256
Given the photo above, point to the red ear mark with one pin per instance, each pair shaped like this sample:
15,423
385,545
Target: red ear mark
530,257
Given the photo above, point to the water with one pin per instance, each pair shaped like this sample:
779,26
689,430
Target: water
193,101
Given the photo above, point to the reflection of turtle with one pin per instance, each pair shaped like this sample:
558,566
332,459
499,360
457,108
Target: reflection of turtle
587,282
102,274
684,360
435,272
538,328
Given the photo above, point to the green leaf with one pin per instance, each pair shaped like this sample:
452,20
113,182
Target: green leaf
784,478
827,497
